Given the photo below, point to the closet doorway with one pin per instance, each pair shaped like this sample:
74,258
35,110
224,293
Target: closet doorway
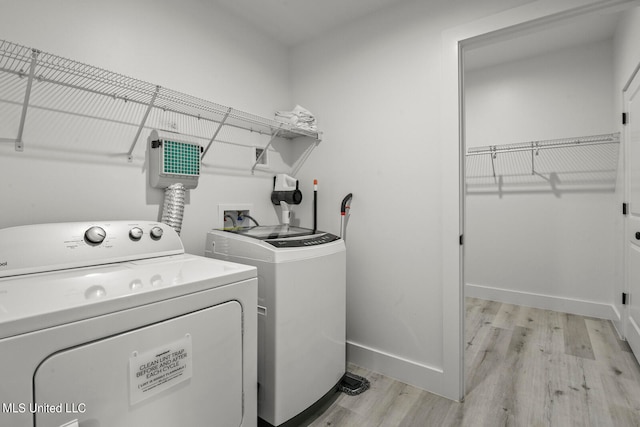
543,167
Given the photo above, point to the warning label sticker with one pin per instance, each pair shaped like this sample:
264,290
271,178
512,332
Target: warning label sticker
158,369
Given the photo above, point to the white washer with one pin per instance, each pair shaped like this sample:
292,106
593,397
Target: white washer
112,324
301,313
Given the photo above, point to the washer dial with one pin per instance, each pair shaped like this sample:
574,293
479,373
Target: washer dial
95,235
156,233
135,233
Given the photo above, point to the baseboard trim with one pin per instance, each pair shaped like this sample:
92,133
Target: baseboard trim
546,302
408,371
618,323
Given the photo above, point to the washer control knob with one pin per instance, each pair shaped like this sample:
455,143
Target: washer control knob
95,235
156,233
135,233
94,292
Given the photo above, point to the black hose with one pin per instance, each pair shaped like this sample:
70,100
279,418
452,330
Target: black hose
343,208
252,219
315,207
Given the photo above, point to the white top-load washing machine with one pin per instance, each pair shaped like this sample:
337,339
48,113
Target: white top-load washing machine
301,312
111,324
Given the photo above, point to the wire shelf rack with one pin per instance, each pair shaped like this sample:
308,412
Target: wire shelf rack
535,146
38,67
585,159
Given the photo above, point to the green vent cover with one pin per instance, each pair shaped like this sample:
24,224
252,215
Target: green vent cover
180,158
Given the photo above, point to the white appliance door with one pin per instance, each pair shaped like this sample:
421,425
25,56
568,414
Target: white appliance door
185,371
632,233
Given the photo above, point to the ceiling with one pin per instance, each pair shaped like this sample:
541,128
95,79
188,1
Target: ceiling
512,47
292,22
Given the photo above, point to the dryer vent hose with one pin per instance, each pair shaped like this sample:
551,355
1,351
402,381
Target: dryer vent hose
173,209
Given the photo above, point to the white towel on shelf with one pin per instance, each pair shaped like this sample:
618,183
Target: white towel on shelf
299,117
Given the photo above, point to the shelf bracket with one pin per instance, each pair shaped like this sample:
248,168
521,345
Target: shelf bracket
215,134
144,121
533,166
27,95
273,137
493,156
534,149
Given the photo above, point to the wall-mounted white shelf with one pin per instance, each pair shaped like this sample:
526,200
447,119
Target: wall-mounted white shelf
534,147
38,68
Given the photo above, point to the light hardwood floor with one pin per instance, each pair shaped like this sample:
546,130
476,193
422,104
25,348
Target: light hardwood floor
524,367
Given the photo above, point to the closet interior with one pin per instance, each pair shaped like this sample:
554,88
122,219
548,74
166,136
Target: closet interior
542,162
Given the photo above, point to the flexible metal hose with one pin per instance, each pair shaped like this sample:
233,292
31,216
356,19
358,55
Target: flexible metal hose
173,210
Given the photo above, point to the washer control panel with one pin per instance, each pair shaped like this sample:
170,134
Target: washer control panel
300,243
48,247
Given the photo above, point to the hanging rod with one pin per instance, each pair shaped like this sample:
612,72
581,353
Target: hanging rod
535,146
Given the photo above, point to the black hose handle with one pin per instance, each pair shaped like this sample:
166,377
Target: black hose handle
343,208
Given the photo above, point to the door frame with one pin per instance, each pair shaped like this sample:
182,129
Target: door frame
626,194
532,16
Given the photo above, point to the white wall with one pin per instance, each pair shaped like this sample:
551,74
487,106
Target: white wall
626,59
375,87
531,241
189,46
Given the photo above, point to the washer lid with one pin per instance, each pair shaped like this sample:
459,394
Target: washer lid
37,301
264,232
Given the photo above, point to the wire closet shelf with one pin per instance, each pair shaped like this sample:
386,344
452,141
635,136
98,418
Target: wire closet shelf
536,146
39,66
